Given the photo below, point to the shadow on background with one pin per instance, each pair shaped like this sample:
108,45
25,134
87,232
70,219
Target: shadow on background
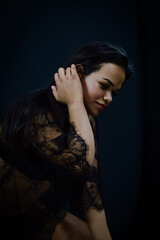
146,222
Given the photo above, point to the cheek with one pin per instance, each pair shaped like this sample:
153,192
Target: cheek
95,92
91,90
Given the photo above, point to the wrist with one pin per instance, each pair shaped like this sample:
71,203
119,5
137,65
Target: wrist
75,105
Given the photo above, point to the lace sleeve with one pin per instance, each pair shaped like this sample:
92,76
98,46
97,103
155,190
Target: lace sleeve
88,194
92,192
84,196
64,149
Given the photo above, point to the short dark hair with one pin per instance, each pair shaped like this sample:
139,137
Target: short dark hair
94,54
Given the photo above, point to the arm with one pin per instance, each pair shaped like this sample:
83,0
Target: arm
97,224
78,115
66,150
89,205
73,149
94,212
68,90
92,199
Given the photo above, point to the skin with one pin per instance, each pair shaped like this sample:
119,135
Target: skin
84,94
71,228
95,90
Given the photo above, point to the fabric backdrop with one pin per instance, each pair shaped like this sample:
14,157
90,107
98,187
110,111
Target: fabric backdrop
37,37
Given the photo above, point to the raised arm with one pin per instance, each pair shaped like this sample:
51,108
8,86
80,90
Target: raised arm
69,90
74,149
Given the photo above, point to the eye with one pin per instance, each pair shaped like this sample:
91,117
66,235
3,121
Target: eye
104,86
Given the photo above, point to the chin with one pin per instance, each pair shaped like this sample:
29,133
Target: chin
92,110
93,113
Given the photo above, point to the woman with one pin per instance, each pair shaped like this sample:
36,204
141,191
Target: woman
49,178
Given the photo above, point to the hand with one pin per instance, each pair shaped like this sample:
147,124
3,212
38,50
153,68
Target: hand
68,87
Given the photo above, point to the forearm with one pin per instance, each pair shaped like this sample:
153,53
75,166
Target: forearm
78,115
97,224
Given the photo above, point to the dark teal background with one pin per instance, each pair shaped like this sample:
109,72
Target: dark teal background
37,37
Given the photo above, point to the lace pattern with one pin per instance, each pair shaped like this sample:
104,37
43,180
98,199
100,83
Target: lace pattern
65,149
60,156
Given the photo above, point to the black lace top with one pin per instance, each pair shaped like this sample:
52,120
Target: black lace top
44,172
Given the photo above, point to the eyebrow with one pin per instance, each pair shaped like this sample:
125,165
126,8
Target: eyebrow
109,81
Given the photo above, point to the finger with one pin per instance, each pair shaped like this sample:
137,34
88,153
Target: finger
73,70
68,72
56,78
61,72
54,91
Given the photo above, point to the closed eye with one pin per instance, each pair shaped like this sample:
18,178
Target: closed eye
104,86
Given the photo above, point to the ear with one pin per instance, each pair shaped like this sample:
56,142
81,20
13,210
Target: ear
79,68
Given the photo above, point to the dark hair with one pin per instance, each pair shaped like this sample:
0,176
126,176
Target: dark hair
19,115
94,54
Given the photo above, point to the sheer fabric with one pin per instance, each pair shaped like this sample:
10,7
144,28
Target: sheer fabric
45,176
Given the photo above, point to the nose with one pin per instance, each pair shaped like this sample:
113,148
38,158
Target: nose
108,97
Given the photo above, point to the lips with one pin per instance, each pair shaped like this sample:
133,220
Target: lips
101,106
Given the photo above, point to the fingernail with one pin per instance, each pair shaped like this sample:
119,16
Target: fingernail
52,87
72,65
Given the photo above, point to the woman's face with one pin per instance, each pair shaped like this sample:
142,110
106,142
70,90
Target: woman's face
101,86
